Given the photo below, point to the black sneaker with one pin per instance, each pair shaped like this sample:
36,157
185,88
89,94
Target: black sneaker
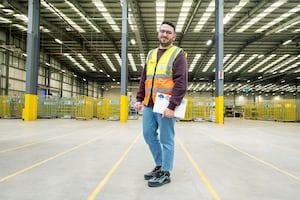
153,173
162,178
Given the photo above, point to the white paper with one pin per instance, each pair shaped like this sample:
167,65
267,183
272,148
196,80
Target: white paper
162,102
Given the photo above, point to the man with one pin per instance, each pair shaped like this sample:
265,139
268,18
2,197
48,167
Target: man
165,71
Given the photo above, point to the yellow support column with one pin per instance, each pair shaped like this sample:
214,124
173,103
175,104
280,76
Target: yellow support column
30,110
123,108
220,110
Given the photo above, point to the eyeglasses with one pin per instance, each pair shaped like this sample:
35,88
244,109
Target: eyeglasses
165,31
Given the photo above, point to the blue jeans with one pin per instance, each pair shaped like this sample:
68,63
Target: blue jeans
159,134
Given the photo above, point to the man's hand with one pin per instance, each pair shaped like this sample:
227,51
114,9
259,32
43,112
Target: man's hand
138,106
168,113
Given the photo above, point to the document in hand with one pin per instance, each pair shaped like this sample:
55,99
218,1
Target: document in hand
162,102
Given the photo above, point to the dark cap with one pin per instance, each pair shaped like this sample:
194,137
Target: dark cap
169,23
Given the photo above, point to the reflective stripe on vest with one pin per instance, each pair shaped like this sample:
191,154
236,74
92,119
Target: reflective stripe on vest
162,76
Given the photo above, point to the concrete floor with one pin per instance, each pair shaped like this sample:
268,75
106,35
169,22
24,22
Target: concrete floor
68,159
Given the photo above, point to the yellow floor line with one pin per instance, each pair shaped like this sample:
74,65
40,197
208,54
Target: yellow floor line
200,173
258,159
112,170
49,159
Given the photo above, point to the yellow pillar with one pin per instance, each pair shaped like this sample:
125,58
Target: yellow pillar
30,110
219,110
123,108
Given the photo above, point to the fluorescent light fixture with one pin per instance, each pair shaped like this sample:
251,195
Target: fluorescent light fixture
75,62
246,62
226,58
131,61
286,42
234,10
58,41
100,6
208,12
4,20
131,20
132,41
262,62
142,57
287,62
57,12
279,19
209,63
108,61
82,16
228,67
160,13
274,63
194,62
261,15
22,28
89,64
118,58
185,8
22,17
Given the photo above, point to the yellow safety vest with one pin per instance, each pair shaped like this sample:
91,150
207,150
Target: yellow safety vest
159,74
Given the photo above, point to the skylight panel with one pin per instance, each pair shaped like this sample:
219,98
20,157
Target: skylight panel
288,26
194,62
75,62
185,8
209,10
108,61
274,63
82,16
132,63
4,20
209,63
100,6
118,59
279,19
246,62
234,62
234,10
160,13
284,64
62,15
89,64
226,58
262,62
142,56
261,15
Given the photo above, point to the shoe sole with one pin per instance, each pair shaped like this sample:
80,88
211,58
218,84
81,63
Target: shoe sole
150,184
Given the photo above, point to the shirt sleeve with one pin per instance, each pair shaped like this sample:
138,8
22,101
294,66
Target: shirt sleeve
180,78
141,91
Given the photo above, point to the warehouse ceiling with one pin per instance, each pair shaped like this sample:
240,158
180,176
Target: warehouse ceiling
261,38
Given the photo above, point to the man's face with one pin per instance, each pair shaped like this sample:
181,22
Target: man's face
166,35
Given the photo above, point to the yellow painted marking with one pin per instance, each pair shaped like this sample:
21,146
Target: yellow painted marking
258,159
32,143
49,159
200,173
112,170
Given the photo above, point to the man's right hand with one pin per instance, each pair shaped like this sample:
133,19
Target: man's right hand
138,106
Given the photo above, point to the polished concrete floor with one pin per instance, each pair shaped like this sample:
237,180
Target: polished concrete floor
68,159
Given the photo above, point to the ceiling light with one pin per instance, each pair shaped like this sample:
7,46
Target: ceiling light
228,67
132,41
185,8
110,64
131,61
274,63
262,62
100,6
194,62
58,41
234,10
261,15
286,42
206,15
5,21
160,13
246,62
118,58
209,63
208,42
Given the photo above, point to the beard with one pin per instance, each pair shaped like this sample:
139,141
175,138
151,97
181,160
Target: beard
166,43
